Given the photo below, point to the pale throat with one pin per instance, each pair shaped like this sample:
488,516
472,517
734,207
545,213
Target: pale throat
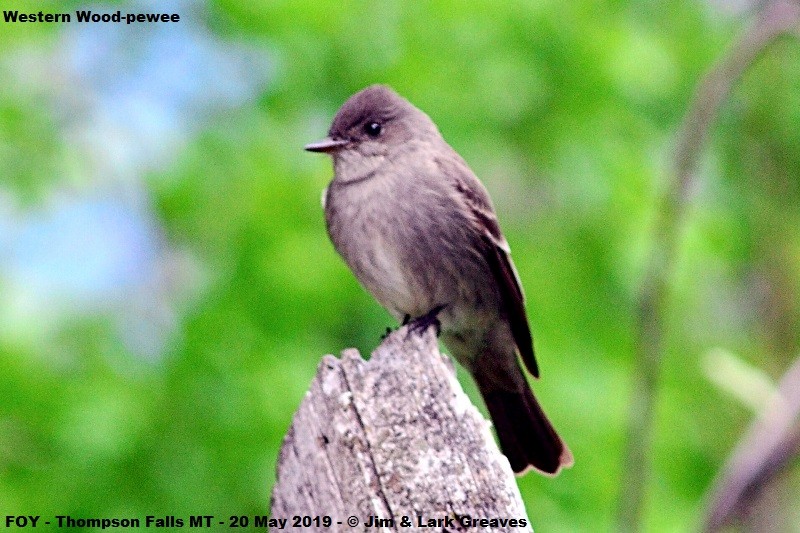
352,165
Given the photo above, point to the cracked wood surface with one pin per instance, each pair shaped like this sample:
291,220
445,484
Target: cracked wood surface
392,437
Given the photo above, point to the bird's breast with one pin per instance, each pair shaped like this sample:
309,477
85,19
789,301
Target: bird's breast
409,244
367,225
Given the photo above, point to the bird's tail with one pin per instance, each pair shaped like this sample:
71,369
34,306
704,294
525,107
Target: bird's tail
526,436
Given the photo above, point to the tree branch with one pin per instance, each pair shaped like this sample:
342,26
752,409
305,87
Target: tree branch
772,440
776,18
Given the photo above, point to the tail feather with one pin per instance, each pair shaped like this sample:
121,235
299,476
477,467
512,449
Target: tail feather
526,437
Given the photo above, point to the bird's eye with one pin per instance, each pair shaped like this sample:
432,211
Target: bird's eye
373,129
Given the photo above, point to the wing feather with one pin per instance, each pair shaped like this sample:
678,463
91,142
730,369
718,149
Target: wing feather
497,254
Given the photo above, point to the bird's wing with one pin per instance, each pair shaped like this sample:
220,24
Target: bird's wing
497,254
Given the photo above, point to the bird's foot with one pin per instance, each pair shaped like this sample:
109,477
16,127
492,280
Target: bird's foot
389,331
431,318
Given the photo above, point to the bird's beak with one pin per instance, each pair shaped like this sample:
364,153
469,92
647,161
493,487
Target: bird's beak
326,145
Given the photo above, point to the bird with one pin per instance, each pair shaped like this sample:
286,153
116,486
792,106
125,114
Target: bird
419,231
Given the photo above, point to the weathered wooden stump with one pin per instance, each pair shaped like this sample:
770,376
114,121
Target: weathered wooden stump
392,443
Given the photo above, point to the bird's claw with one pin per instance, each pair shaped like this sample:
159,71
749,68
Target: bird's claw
420,324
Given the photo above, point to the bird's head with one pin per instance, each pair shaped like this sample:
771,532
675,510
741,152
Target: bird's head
372,125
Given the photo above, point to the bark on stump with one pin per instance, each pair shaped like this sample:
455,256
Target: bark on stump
391,438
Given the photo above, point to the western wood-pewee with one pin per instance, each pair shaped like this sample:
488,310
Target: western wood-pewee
418,230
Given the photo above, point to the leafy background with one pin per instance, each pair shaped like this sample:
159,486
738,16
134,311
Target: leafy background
168,287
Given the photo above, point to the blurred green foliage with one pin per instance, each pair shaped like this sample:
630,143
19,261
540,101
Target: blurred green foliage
568,112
